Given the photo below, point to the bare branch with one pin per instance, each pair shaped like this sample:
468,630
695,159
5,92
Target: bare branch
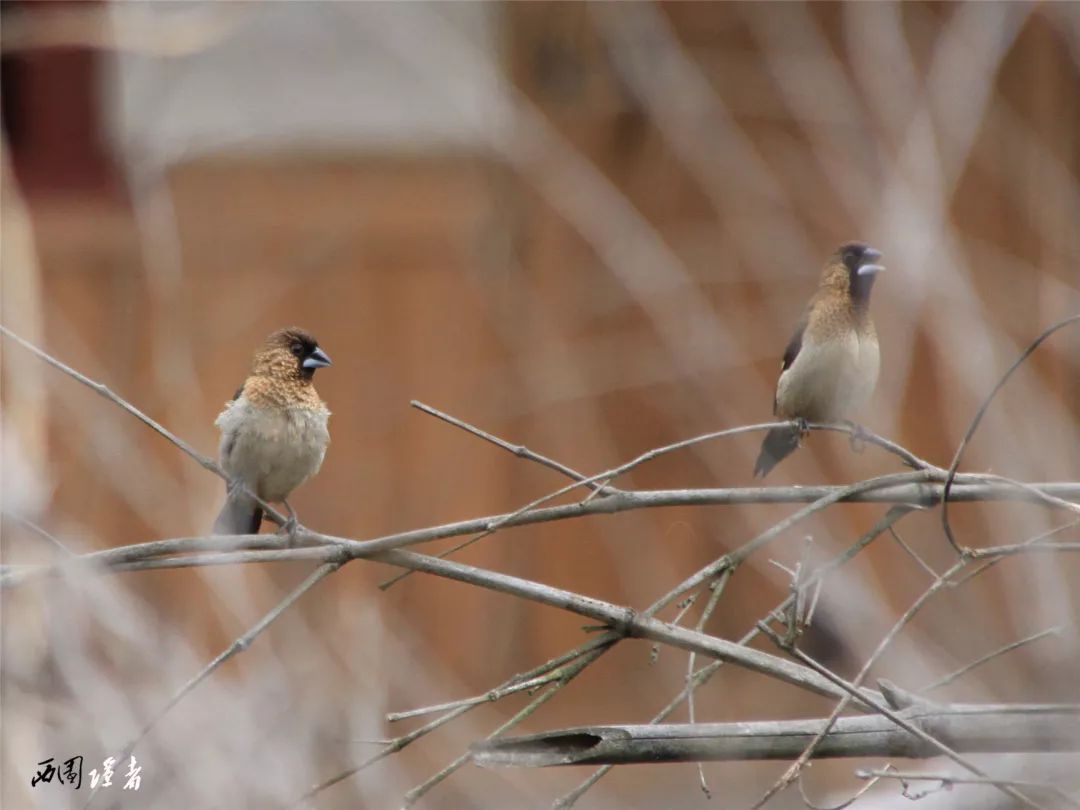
911,553
930,739
519,450
970,728
703,675
978,418
792,772
912,489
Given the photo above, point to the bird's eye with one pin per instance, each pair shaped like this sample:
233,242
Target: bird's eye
297,349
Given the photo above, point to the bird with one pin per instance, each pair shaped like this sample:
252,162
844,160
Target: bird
274,431
831,363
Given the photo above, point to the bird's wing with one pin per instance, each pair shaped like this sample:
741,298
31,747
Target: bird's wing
792,350
794,345
228,436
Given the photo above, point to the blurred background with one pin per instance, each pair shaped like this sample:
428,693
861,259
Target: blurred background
586,228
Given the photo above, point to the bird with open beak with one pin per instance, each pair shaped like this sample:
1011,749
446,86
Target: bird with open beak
274,431
830,366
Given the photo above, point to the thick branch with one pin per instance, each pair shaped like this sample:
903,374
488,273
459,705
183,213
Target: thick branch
968,728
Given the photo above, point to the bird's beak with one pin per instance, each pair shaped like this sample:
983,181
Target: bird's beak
870,257
317,359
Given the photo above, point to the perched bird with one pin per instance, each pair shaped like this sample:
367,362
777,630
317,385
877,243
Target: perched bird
274,431
831,364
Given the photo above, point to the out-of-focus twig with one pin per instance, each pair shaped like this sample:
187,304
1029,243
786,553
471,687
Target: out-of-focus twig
41,532
978,418
238,646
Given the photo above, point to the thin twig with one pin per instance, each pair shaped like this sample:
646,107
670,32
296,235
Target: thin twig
911,553
40,532
1037,539
844,804
717,589
978,418
488,697
683,608
571,672
519,450
978,662
952,779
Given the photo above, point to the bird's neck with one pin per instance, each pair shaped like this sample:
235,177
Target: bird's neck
860,290
283,392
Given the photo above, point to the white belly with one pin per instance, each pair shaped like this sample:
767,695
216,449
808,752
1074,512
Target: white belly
272,451
829,381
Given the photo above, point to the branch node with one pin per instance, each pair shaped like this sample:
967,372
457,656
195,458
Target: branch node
901,699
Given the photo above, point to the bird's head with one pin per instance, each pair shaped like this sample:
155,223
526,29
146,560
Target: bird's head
290,354
852,270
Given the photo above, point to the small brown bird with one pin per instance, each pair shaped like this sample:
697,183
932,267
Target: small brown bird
274,431
830,366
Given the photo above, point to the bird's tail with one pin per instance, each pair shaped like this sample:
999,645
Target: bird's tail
780,442
240,514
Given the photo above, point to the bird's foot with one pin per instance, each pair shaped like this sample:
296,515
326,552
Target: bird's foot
802,428
290,527
858,437
289,530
